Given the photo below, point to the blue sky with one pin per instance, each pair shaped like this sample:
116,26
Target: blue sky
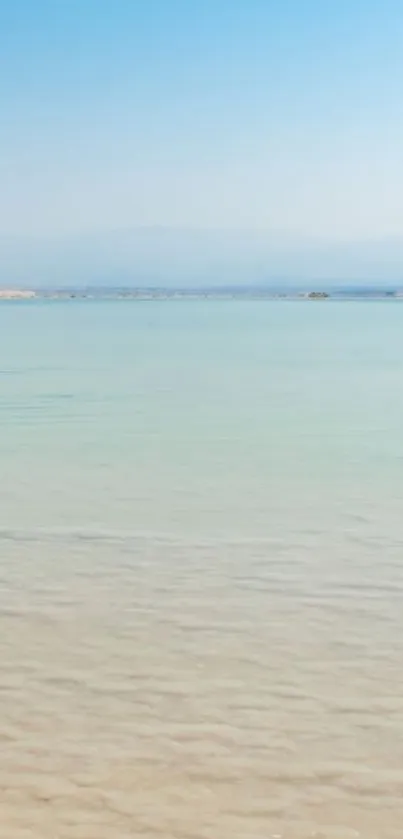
280,120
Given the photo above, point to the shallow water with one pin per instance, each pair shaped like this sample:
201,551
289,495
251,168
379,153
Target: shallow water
201,575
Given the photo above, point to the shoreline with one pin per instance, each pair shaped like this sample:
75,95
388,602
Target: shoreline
144,294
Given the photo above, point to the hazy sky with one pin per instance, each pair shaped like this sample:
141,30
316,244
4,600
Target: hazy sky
283,116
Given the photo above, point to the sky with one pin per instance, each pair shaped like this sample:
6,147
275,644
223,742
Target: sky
193,139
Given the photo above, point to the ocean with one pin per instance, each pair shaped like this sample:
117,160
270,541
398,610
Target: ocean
201,569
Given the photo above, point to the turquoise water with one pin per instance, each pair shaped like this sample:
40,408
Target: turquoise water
201,579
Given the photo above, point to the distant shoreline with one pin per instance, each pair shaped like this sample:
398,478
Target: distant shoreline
16,294
224,293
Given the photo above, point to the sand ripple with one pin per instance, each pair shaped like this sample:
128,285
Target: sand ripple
161,689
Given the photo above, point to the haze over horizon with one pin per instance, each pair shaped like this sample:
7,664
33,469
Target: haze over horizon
186,258
171,143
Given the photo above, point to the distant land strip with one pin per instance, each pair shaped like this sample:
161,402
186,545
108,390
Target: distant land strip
217,293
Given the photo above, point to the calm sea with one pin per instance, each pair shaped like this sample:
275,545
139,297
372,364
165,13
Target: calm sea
201,570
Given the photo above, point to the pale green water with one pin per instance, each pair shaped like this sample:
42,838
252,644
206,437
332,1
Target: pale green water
201,617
